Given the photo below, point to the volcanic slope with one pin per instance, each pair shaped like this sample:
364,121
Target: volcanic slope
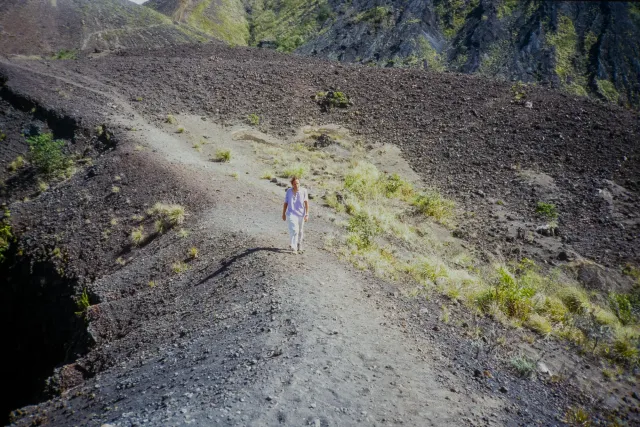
246,333
581,47
34,27
233,333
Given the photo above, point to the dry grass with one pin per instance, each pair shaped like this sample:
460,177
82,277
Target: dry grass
394,228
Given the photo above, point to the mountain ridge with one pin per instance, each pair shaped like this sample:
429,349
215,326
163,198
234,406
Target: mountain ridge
36,27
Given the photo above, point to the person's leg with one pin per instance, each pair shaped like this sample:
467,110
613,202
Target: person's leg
300,233
292,222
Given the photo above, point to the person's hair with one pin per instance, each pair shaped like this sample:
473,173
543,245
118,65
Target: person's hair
293,178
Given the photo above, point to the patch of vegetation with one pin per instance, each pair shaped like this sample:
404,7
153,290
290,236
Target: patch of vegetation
452,14
167,215
3,136
362,229
380,234
495,58
180,129
193,252
16,164
506,8
518,90
426,52
179,267
183,233
295,169
577,417
547,211
523,366
47,156
222,156
289,23
433,204
171,119
570,64
6,235
115,189
137,236
253,119
83,303
376,15
65,54
267,175
607,90
332,99
224,20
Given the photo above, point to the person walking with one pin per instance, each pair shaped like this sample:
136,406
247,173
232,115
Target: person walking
296,212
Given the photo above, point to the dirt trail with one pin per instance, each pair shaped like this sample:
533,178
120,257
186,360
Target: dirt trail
353,365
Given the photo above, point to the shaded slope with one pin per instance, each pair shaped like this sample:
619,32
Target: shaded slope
44,27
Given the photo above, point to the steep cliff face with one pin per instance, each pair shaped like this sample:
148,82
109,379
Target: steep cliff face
30,27
586,48
583,47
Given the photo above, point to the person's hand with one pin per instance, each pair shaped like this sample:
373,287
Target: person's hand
306,218
284,217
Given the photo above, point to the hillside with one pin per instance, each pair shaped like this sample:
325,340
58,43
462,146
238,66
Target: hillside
472,256
34,27
581,47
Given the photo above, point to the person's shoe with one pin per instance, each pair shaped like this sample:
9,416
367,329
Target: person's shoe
300,249
294,250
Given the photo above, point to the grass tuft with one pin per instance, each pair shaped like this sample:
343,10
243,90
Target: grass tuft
137,236
547,211
433,204
223,156
179,267
253,119
171,119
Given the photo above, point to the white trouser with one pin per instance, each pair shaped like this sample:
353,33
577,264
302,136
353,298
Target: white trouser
296,230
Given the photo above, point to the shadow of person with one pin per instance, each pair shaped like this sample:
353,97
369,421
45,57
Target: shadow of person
228,262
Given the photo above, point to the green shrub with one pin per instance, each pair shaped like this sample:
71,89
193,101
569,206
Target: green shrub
223,156
46,154
65,54
82,303
575,300
297,169
433,204
167,215
332,99
253,119
5,234
547,210
137,236
621,305
523,366
363,230
375,15
511,296
539,324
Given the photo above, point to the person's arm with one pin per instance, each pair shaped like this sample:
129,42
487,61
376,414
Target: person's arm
284,211
306,210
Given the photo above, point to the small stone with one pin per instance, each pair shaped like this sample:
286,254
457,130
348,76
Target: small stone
503,389
477,373
274,180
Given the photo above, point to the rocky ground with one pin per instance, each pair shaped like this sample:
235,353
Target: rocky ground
241,339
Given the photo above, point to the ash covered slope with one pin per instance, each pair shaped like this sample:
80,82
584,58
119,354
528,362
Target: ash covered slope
583,47
42,27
